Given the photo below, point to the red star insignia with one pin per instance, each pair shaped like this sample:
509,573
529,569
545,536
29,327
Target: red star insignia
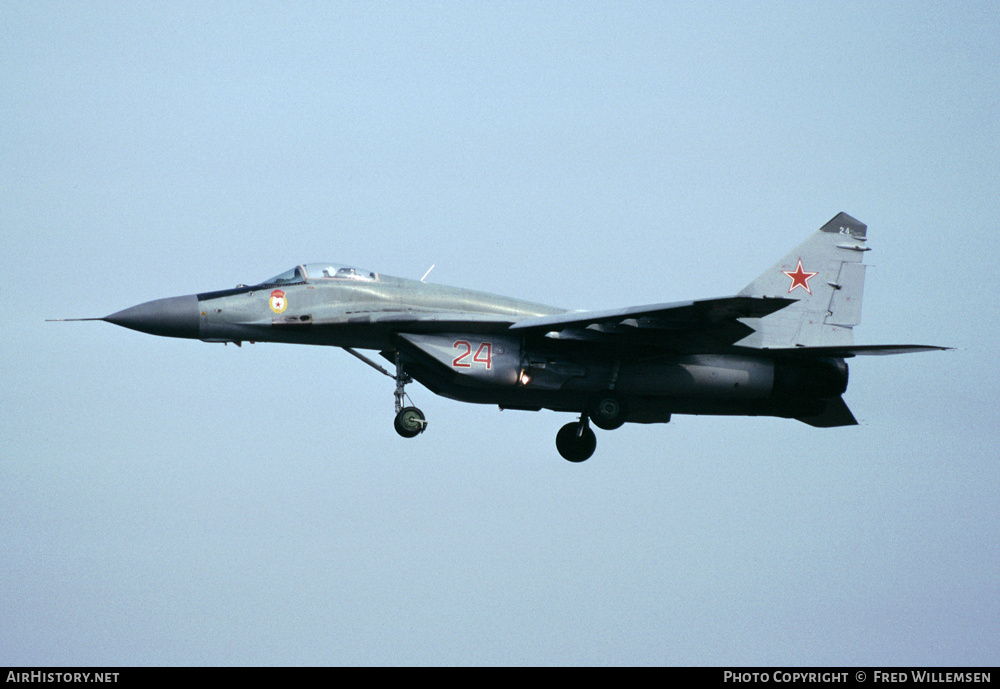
800,278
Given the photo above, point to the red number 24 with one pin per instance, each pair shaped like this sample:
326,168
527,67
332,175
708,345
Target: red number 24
483,355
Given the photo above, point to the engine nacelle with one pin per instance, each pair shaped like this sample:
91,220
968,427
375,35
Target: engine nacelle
483,361
735,377
799,378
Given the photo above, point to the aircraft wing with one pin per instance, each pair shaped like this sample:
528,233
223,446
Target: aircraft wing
856,350
700,323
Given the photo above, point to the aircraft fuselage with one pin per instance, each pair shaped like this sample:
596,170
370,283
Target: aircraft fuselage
458,344
776,348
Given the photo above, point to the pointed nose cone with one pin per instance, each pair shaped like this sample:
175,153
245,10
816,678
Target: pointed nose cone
173,317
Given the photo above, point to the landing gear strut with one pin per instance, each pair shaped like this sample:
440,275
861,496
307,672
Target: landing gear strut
576,441
410,421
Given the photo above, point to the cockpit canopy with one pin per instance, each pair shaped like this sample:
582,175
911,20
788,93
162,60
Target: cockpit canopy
320,271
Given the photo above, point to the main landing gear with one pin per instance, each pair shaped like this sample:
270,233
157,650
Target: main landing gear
608,412
576,441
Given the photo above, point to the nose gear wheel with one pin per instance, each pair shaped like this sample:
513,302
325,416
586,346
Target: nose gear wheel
410,422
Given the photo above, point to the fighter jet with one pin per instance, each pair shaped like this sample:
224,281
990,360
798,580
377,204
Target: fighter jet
776,348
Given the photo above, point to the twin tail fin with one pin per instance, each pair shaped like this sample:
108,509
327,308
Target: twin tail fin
826,276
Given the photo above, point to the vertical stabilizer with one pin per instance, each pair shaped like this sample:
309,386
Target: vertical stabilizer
826,276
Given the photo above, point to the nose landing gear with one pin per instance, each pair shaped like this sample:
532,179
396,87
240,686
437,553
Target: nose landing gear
410,421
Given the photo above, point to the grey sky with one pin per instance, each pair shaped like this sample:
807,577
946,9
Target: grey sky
173,502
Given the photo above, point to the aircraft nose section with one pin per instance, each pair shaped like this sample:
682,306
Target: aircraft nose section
171,317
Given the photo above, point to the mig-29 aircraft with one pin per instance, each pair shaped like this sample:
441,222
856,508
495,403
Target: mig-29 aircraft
776,348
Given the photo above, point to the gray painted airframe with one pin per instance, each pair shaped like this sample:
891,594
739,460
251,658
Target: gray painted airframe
777,348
